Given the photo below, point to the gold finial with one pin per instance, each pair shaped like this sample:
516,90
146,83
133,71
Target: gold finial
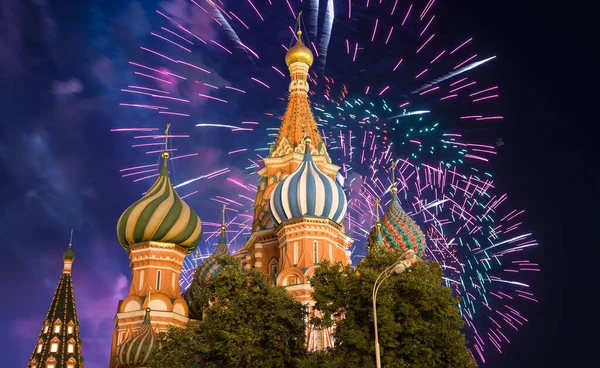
149,294
377,209
223,228
71,239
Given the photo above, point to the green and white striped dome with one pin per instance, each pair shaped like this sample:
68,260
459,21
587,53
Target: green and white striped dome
135,351
161,216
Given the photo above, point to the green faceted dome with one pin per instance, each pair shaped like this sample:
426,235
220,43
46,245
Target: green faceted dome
208,269
399,230
161,216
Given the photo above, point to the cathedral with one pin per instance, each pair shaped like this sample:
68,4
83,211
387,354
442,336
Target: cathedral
298,222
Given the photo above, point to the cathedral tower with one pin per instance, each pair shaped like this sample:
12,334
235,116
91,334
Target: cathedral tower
300,208
59,344
157,232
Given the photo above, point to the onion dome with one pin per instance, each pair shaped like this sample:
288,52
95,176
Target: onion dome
308,192
135,351
299,53
399,230
161,216
208,269
69,254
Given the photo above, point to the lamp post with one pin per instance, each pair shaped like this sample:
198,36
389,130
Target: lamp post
405,261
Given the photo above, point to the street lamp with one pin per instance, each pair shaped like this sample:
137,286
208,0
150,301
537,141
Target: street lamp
405,261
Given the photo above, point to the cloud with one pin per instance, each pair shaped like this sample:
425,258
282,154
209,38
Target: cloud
67,88
27,329
191,17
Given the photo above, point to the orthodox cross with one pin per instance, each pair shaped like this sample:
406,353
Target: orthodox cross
167,136
392,168
377,209
299,15
71,239
223,215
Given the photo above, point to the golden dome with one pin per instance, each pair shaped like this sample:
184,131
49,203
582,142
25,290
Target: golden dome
299,53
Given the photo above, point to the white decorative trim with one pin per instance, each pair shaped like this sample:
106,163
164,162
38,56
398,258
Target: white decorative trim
142,313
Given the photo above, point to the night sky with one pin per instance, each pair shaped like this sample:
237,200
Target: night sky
62,64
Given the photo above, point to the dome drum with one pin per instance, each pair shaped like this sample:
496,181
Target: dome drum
308,192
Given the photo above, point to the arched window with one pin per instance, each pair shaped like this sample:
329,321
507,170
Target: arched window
295,253
316,252
33,364
46,327
141,279
71,363
51,362
39,347
158,280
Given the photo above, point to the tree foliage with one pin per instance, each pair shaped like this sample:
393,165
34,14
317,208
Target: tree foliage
247,322
419,320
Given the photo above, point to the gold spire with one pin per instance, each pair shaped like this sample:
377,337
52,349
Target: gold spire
149,294
299,52
377,209
71,239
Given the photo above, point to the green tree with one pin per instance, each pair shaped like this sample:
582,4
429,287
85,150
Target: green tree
419,320
247,322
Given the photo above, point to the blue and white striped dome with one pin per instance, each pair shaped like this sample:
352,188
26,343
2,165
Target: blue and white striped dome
308,192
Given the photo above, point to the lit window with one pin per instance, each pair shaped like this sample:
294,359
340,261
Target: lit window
295,253
33,365
54,347
319,340
141,279
39,349
71,348
51,362
69,329
70,365
56,328
46,327
158,280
